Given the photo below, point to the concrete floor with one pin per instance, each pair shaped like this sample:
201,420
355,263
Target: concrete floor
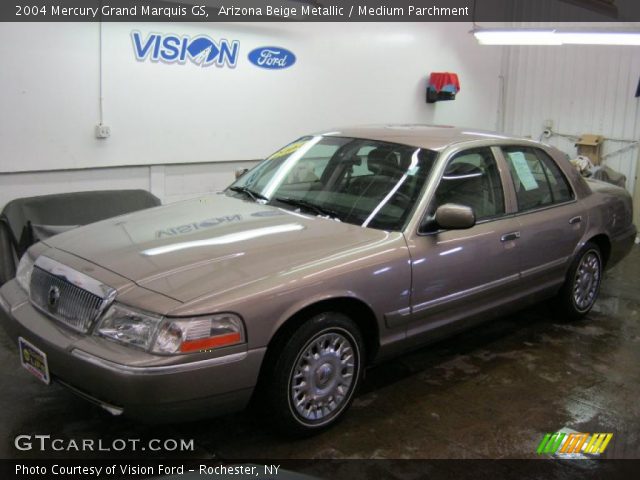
489,393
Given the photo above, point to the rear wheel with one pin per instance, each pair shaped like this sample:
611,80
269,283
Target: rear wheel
582,285
317,371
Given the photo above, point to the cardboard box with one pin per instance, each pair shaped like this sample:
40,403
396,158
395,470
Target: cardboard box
589,145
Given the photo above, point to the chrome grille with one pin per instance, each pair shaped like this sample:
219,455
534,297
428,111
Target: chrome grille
74,306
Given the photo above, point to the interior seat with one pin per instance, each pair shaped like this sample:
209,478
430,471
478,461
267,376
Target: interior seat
464,184
384,166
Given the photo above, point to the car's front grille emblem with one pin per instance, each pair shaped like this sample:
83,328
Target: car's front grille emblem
53,297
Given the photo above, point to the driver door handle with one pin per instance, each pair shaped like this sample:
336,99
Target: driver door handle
575,220
510,236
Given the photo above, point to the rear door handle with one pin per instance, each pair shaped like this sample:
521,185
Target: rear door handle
510,236
575,220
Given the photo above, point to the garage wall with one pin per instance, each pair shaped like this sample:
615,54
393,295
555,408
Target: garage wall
170,183
181,130
582,89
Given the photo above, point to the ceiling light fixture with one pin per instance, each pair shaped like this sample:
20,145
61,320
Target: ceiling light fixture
554,37
516,37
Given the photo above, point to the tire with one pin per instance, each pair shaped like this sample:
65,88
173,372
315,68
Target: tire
313,379
582,285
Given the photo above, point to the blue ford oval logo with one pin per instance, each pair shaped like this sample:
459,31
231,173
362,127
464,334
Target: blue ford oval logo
272,58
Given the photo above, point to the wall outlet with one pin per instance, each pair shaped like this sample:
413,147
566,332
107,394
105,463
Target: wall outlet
103,131
548,124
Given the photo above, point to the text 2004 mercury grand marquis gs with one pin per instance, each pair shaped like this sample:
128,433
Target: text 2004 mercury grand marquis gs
339,250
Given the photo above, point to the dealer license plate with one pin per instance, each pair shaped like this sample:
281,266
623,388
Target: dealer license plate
34,360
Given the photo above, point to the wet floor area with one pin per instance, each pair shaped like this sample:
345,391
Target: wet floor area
492,392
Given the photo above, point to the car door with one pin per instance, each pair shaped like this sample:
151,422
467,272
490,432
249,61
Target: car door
461,274
550,221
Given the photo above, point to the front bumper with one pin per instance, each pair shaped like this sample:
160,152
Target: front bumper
122,379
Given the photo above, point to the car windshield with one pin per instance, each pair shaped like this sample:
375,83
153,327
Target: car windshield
364,182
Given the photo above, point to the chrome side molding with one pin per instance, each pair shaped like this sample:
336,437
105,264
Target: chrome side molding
159,370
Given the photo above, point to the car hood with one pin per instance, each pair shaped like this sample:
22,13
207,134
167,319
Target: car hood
216,243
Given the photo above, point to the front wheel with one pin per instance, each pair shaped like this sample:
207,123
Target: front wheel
582,285
316,374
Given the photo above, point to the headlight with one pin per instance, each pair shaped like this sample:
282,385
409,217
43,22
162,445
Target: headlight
170,335
127,325
25,269
200,333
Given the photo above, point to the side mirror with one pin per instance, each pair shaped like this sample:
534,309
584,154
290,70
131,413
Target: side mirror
240,172
452,216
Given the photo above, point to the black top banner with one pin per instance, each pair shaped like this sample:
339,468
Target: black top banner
320,11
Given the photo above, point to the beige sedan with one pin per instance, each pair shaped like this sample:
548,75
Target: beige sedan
339,250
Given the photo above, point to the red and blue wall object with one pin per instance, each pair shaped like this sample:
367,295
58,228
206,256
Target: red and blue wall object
442,86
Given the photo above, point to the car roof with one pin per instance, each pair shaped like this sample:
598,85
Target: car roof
432,137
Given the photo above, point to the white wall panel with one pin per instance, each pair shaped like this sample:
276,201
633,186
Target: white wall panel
170,183
582,89
163,113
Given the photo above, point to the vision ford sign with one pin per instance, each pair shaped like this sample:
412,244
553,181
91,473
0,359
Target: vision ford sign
272,58
200,50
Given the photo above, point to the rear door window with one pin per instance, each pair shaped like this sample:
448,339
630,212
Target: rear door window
537,179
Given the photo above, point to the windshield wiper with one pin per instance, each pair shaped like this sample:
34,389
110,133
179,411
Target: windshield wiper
255,196
297,202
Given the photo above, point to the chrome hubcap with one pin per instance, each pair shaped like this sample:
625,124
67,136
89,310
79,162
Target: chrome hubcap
587,281
323,376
